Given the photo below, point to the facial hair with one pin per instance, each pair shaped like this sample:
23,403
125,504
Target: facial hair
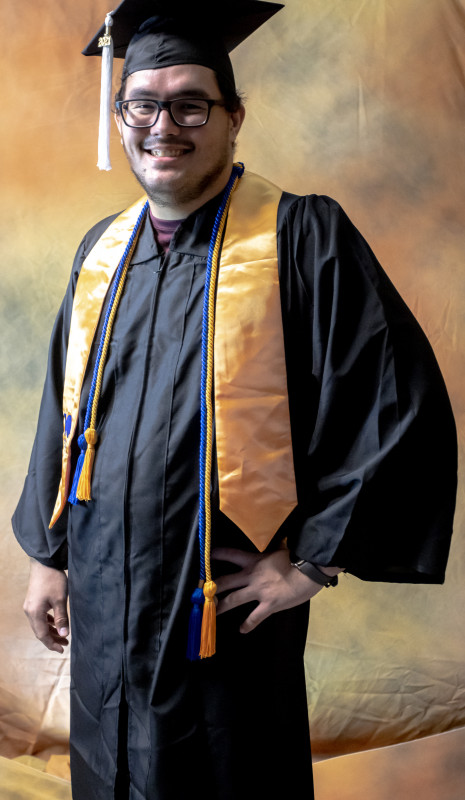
193,188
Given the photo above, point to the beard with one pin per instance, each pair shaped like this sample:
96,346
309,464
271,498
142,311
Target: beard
186,190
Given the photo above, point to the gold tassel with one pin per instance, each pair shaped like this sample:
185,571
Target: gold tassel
83,487
208,635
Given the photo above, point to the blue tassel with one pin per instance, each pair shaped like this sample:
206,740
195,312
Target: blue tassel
77,473
195,624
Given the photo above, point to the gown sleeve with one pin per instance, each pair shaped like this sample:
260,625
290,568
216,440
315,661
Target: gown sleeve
374,437
34,511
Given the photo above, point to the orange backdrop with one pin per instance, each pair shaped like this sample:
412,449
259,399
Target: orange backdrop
363,100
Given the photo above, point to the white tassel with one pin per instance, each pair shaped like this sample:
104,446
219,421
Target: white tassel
106,43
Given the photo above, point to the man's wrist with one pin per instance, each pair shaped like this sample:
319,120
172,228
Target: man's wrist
315,573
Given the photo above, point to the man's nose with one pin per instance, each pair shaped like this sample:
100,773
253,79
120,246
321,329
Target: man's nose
164,124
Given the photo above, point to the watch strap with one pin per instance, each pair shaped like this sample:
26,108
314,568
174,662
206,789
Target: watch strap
311,571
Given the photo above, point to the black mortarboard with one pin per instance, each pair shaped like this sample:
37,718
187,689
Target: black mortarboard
230,21
152,34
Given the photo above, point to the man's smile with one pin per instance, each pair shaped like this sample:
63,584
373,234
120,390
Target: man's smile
168,152
160,149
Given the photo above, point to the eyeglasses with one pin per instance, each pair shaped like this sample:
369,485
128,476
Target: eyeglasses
187,112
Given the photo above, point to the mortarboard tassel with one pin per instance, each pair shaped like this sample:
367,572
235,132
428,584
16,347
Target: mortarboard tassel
106,43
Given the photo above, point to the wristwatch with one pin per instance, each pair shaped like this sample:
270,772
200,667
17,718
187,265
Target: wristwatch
311,571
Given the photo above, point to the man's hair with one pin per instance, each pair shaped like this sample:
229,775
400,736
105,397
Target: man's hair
232,98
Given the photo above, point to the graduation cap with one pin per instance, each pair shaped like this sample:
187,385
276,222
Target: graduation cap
152,34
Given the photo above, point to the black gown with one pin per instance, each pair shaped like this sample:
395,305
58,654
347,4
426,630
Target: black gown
375,459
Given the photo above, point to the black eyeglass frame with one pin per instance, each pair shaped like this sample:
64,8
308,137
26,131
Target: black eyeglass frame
165,105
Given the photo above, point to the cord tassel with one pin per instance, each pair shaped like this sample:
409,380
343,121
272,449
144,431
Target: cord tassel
77,472
195,623
85,478
208,635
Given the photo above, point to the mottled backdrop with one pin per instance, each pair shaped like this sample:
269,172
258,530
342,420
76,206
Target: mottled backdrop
363,100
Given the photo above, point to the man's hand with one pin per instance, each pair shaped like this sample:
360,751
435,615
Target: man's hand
48,592
267,578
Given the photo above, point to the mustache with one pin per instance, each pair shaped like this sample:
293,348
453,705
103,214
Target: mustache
152,142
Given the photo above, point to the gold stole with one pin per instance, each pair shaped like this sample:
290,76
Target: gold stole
93,283
253,436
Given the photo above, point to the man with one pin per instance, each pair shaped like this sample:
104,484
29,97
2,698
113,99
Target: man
322,426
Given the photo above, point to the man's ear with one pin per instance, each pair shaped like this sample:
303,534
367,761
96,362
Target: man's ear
237,118
119,125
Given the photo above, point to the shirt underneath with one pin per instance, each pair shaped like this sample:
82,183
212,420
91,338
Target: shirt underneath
164,229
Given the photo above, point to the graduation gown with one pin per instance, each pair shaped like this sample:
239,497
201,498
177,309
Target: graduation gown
375,461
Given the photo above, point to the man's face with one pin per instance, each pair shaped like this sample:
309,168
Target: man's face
180,168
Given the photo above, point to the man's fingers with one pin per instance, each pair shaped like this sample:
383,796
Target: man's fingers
39,620
255,618
52,639
55,643
235,599
268,580
46,605
237,580
46,632
59,633
60,617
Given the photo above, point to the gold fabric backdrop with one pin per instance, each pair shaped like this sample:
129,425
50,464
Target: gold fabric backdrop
363,100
